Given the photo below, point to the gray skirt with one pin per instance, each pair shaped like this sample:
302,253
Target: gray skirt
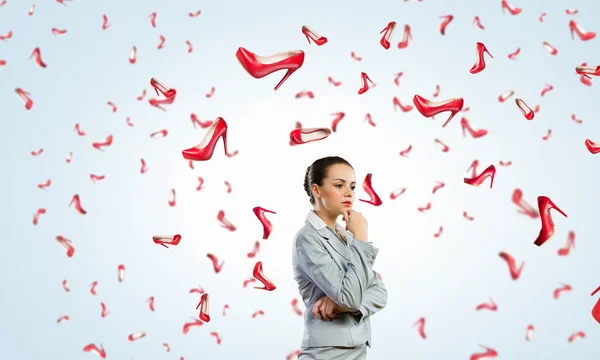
334,353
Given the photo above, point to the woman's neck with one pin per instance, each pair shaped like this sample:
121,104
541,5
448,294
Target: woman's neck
327,218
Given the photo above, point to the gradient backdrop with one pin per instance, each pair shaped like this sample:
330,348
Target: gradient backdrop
441,279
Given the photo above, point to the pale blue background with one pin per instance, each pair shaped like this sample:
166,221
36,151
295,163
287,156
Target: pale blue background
441,279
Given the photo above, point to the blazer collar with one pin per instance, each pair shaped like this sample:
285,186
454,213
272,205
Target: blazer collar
314,221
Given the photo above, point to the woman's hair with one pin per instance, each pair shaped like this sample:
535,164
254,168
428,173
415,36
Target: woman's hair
317,172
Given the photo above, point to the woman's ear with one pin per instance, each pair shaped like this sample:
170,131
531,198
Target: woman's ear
315,191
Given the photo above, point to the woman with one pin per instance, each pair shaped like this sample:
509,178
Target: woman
333,266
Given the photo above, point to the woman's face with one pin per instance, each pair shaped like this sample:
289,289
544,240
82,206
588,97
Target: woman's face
337,192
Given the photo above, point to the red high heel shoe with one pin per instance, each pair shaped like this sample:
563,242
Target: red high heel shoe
258,274
312,35
205,149
164,89
464,123
389,31
407,35
588,70
375,199
365,86
525,109
429,108
267,226
547,231
592,146
490,171
203,305
261,66
165,240
480,63
306,135
583,35
511,10
596,309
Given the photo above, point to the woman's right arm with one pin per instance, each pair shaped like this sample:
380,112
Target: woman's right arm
345,288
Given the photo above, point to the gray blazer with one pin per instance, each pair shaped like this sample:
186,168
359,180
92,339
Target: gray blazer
324,265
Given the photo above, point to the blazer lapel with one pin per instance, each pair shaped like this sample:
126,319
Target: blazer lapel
335,243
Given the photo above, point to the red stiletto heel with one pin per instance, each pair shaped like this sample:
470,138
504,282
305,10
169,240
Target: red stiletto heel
365,86
389,31
596,309
165,240
258,274
203,305
490,171
464,123
583,35
261,66
267,226
164,89
407,35
511,10
480,63
430,108
312,35
205,149
588,70
547,231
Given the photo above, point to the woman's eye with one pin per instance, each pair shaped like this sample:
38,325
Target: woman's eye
354,187
338,186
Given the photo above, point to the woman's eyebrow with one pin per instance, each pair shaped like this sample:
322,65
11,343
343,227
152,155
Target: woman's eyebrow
342,180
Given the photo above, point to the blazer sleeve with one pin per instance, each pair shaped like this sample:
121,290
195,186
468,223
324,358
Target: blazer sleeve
374,300
344,287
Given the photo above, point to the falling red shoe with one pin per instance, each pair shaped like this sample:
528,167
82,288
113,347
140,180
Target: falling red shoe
421,328
515,272
66,244
365,86
203,305
547,230
389,31
261,66
224,222
444,24
205,149
583,35
480,63
588,70
511,10
260,276
430,108
464,123
25,97
596,309
267,226
407,35
303,136
38,57
569,244
490,171
75,200
375,199
164,89
525,207
165,240
95,349
592,146
488,354
312,35
338,117
487,306
525,110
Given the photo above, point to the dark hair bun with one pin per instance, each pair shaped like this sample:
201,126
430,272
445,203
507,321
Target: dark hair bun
306,184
